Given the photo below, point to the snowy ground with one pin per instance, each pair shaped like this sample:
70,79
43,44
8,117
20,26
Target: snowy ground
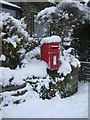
72,107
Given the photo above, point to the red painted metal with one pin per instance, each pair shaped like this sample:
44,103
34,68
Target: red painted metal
50,54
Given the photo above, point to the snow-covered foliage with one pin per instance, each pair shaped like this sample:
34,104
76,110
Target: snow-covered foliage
46,13
14,38
83,10
62,11
65,16
34,68
67,61
32,54
11,24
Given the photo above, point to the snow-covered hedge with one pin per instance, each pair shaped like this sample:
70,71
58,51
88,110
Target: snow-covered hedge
61,11
14,38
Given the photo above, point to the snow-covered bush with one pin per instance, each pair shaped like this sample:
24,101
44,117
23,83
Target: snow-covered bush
64,18
15,39
65,11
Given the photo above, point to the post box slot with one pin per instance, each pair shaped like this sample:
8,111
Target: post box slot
54,47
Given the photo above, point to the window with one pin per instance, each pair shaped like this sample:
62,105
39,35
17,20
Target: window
39,29
12,12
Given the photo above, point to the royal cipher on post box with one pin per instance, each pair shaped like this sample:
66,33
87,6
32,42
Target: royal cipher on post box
50,51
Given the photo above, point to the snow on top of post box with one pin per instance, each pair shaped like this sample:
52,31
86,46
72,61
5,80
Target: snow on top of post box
51,39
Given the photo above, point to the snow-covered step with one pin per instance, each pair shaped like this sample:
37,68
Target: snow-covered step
15,96
12,87
19,93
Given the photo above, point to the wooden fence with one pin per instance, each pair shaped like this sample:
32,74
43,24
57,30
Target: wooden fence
84,73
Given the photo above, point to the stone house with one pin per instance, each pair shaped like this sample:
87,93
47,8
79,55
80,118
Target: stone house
29,10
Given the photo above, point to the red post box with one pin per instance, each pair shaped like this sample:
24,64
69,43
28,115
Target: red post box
50,54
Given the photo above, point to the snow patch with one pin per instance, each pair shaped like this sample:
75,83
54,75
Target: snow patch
46,11
65,67
67,61
2,58
32,54
51,39
5,75
35,68
13,40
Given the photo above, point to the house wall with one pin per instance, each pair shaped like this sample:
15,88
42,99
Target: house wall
28,11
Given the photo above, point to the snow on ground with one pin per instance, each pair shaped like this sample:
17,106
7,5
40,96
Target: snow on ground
75,106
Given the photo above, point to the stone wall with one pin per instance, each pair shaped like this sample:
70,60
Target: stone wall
28,11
